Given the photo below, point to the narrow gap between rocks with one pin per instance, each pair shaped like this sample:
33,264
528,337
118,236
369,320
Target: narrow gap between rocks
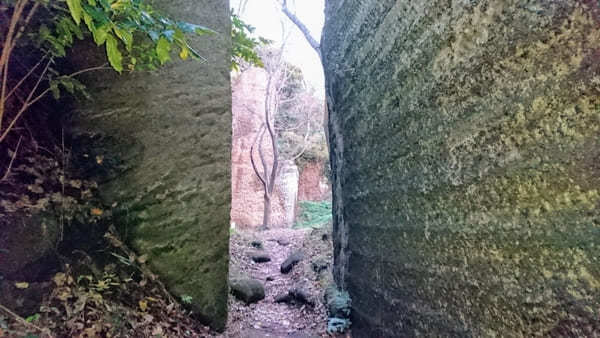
281,254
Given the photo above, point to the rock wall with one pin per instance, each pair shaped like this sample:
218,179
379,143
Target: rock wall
159,143
313,185
248,94
465,143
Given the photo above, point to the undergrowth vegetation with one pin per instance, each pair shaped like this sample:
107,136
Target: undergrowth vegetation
112,299
313,214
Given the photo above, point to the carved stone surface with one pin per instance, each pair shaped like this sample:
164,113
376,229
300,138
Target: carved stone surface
465,158
165,140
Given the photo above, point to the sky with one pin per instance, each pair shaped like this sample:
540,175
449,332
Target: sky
267,18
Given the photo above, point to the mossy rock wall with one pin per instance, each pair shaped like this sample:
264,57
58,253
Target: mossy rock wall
160,145
465,140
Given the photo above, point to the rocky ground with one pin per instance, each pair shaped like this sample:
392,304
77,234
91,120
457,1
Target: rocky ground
293,304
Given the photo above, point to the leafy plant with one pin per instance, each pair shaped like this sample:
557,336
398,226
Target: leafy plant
187,299
339,306
32,318
134,35
338,325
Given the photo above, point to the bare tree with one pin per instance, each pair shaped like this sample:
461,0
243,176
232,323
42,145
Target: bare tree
285,96
268,174
315,45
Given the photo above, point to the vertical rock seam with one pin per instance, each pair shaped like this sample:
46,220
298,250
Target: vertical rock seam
465,141
165,140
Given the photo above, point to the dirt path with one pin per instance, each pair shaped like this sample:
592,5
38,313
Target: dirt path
268,318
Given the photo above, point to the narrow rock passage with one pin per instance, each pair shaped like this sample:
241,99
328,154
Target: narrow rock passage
267,318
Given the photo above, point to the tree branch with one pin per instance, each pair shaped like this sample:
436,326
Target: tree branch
31,101
263,160
261,131
273,175
312,41
305,145
12,159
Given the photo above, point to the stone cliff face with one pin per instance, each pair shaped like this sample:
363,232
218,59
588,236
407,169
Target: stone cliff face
248,91
465,143
313,185
165,142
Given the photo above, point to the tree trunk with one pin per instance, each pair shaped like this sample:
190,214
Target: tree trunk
266,213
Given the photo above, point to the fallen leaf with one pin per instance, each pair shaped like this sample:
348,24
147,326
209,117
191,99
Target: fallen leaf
22,285
64,295
35,189
60,279
158,331
91,332
75,184
96,212
143,305
143,259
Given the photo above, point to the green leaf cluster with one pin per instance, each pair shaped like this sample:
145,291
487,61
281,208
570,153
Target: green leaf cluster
134,34
244,45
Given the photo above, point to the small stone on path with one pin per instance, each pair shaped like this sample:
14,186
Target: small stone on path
295,296
292,260
247,290
260,257
283,241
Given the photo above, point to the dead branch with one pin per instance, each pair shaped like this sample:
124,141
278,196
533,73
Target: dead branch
12,159
10,42
30,100
306,135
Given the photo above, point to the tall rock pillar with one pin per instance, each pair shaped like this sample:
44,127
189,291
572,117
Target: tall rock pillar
465,140
164,139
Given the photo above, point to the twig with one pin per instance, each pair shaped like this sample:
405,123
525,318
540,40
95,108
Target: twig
115,241
64,178
6,51
305,145
24,78
29,101
12,160
23,321
263,160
